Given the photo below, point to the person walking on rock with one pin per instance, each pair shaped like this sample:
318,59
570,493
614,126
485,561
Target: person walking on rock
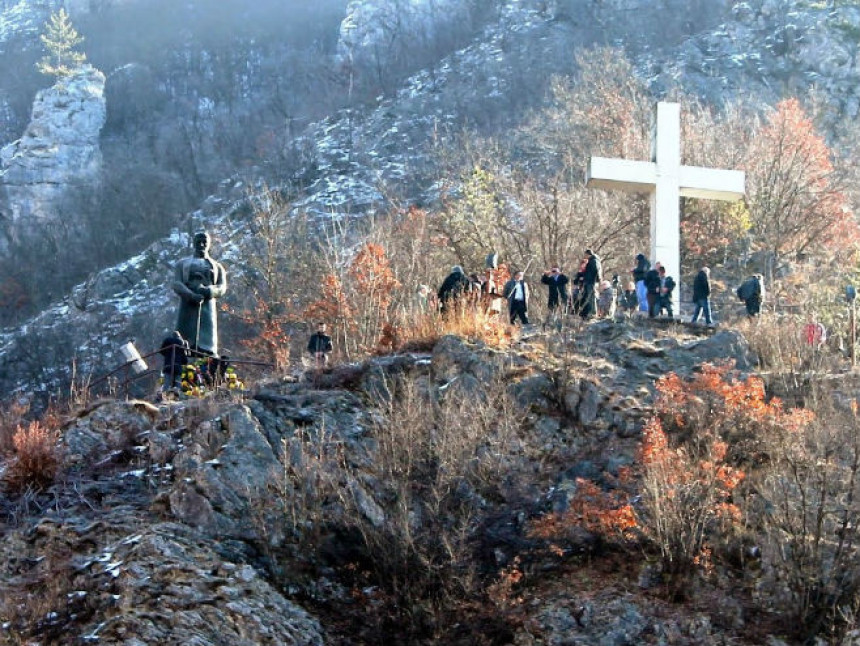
667,285
517,292
174,350
454,287
702,296
652,287
606,301
319,346
630,301
751,292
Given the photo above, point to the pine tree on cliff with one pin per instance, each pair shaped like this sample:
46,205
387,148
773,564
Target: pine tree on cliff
60,40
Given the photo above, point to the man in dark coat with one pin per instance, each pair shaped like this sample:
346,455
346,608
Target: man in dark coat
590,280
667,285
751,292
652,287
639,271
517,292
557,283
702,295
578,291
174,351
456,285
319,345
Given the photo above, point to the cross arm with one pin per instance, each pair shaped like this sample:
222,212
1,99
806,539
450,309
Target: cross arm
621,174
711,184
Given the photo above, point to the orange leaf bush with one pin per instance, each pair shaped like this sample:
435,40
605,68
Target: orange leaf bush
701,431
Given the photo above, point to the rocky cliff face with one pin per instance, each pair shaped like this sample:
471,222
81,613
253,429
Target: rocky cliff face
58,153
771,49
184,523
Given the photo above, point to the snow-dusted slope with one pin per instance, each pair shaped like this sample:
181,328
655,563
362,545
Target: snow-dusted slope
355,158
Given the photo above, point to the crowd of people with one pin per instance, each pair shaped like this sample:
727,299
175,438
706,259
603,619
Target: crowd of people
200,280
588,294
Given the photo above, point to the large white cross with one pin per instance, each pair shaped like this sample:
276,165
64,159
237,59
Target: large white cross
667,181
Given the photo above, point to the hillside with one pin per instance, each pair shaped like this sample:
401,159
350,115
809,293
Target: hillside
402,146
288,513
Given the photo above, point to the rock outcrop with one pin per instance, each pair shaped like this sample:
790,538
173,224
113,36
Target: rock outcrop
192,521
371,26
771,49
58,154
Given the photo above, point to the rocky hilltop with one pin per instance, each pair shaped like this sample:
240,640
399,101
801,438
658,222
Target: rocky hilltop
246,518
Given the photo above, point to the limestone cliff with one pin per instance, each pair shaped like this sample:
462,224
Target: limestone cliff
58,153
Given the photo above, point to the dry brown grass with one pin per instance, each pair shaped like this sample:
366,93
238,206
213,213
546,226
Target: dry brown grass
11,417
807,506
786,358
416,331
35,460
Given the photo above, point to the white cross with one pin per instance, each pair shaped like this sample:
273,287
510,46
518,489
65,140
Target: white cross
667,181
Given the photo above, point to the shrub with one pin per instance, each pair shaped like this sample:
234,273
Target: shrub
35,460
689,479
606,514
686,501
411,507
11,418
810,517
421,330
782,349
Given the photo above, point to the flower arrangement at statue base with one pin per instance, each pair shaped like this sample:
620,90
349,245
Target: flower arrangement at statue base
208,375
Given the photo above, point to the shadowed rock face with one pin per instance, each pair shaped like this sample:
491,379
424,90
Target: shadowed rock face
58,152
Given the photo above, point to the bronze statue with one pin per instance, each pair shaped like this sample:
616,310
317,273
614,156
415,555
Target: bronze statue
199,281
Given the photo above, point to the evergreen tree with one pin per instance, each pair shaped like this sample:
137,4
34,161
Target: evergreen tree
60,40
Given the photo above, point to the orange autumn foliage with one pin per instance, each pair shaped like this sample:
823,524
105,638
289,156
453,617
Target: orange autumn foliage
372,276
332,307
271,342
604,513
796,202
689,456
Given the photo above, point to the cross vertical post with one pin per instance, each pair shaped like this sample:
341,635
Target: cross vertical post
667,181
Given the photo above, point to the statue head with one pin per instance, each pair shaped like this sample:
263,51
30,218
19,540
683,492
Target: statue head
201,243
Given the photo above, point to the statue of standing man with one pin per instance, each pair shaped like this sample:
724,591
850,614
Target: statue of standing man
199,281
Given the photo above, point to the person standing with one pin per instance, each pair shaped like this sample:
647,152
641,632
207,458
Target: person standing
319,345
606,301
174,351
702,295
578,291
590,281
517,292
639,271
454,287
199,281
630,299
751,292
667,285
652,289
557,283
